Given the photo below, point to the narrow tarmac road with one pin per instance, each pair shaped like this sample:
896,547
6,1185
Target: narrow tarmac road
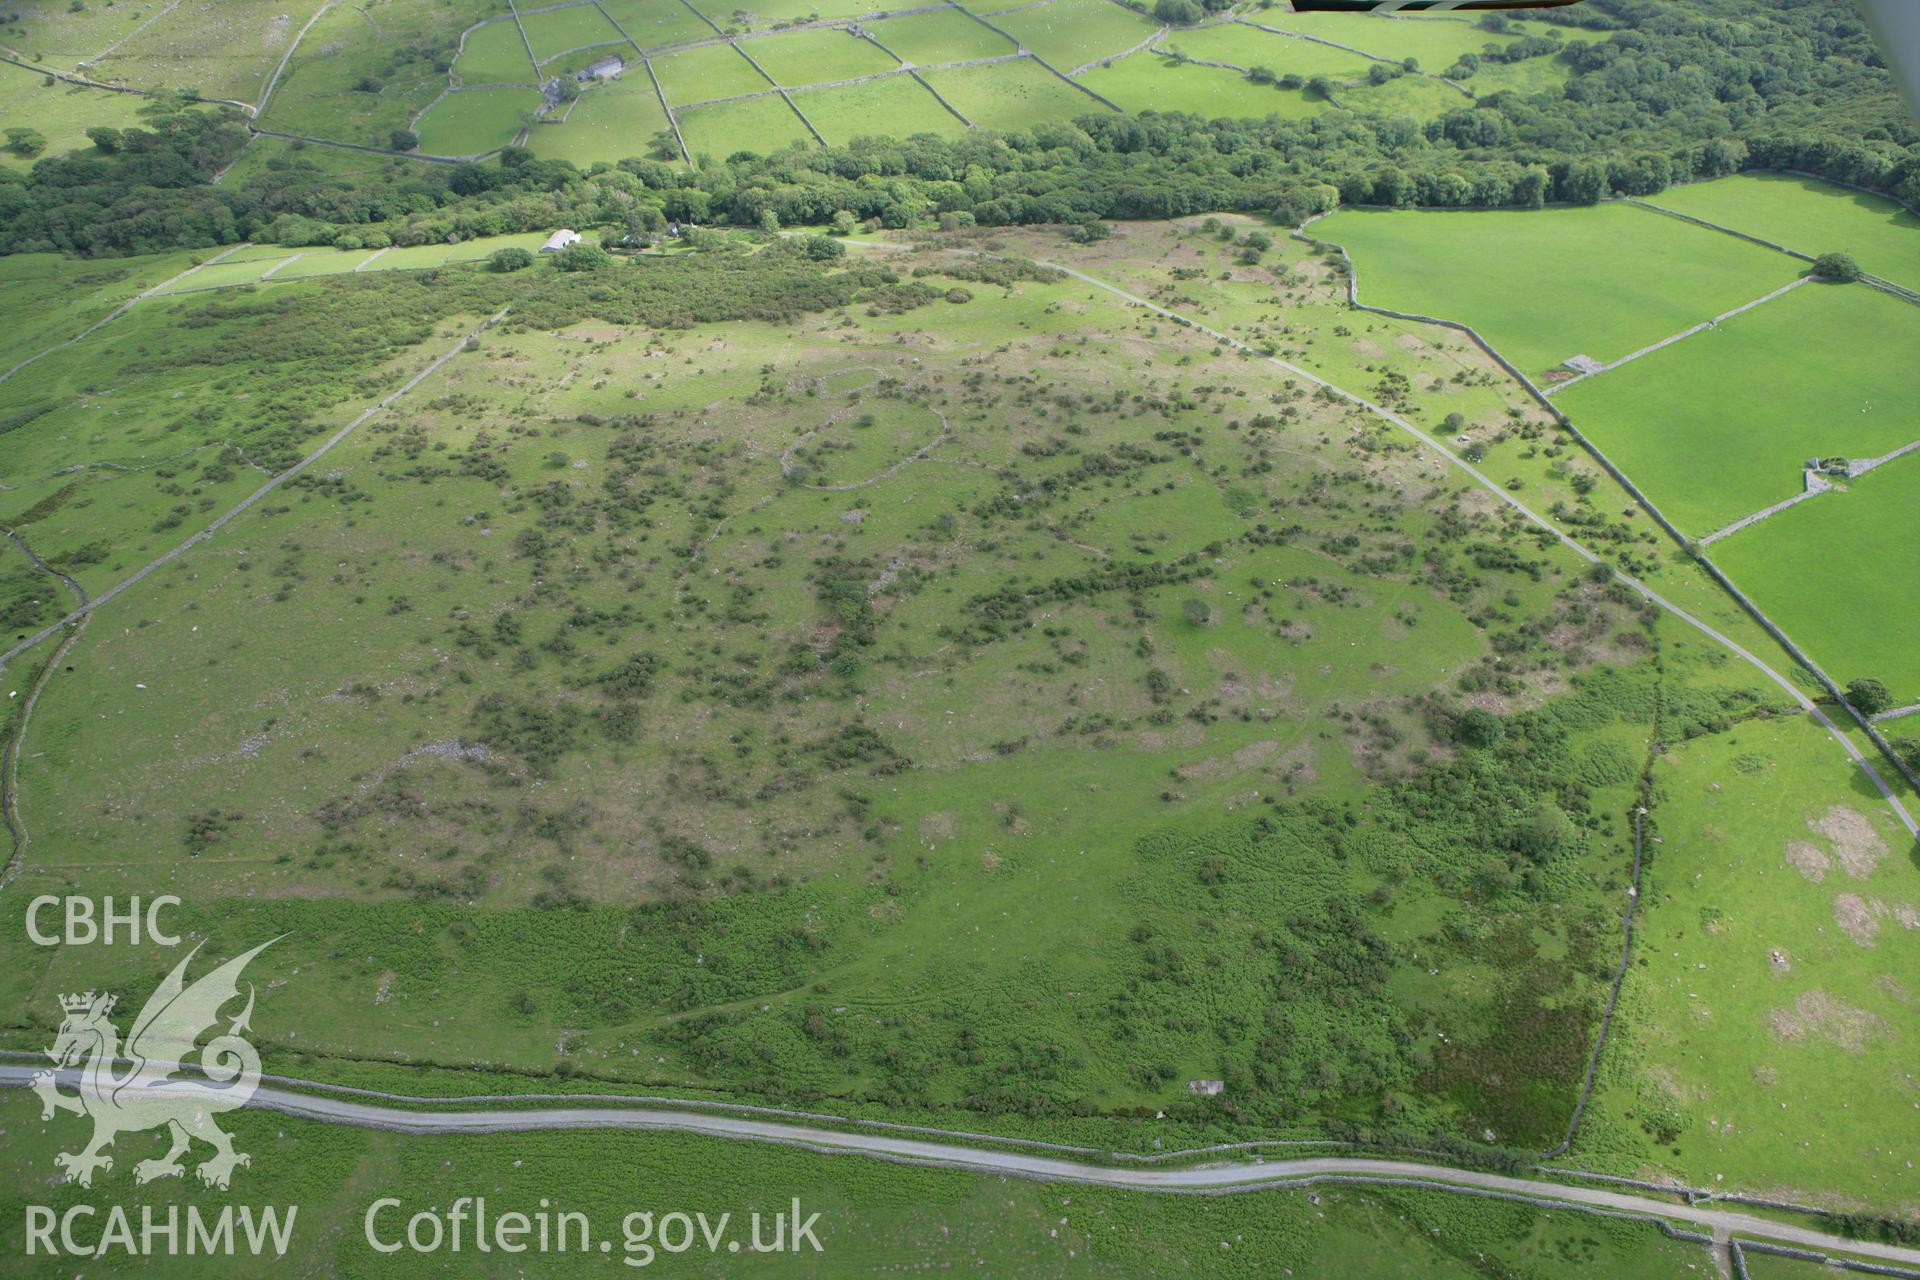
1244,1175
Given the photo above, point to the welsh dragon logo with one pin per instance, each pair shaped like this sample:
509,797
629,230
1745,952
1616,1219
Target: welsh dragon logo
153,1094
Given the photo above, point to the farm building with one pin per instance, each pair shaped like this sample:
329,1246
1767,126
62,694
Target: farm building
605,69
560,240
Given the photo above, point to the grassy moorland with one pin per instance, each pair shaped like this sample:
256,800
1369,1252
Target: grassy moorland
354,80
942,683
69,294
61,113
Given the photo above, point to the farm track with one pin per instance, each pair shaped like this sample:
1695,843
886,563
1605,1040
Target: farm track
1202,1179
10,767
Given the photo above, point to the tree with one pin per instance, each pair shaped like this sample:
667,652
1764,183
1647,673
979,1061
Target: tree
769,222
108,140
1868,696
1177,13
583,257
1543,832
822,249
1478,728
844,222
404,140
26,142
1197,611
512,258
1838,267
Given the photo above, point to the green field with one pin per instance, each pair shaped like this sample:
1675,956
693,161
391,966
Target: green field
1833,572
1722,423
614,120
1242,45
325,262
258,263
1765,1025
897,106
818,57
1546,285
943,35
1435,42
1809,216
555,31
758,15
1070,33
220,274
707,72
1530,76
760,125
475,120
653,23
1011,95
1146,81
1422,97
494,53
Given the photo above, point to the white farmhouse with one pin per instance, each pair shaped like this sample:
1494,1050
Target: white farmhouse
560,240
